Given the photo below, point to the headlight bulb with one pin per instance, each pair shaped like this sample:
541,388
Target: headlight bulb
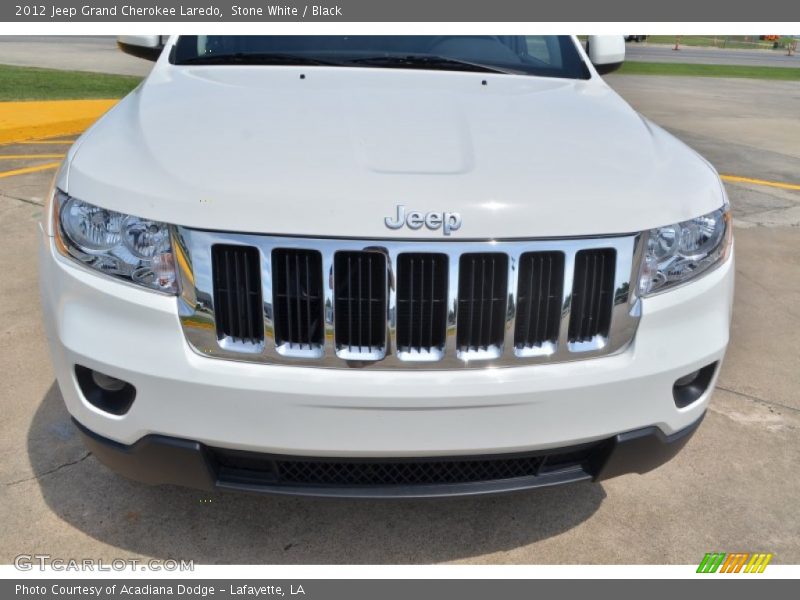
144,238
91,227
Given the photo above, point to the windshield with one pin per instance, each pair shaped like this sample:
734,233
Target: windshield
542,55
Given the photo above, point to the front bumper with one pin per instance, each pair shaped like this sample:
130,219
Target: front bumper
158,459
135,335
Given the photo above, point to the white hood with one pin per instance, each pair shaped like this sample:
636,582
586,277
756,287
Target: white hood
265,150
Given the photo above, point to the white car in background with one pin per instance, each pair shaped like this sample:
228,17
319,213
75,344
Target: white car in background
384,266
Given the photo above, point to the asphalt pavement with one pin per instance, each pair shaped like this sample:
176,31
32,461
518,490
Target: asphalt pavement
644,52
97,53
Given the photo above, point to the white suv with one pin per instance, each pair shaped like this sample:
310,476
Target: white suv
384,266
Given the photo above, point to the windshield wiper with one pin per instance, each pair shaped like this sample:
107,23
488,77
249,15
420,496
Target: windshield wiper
408,61
255,58
429,61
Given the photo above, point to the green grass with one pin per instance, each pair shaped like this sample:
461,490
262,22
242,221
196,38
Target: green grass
714,41
29,83
648,68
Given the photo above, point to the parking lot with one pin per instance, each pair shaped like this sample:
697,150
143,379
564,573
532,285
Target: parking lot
733,488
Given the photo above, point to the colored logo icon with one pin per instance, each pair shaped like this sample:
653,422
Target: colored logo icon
737,562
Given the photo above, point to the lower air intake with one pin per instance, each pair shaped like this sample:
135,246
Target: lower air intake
240,467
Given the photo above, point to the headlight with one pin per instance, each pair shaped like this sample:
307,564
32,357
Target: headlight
123,246
677,253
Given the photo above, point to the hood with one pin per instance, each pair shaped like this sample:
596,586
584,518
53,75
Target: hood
332,152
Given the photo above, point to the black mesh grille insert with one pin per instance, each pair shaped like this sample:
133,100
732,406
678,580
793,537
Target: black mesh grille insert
592,294
405,473
252,468
421,301
297,297
360,300
539,292
482,295
237,293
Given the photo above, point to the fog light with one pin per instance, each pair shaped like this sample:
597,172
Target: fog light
105,392
108,383
689,388
687,379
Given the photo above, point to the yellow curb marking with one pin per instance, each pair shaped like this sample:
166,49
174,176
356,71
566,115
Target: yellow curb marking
36,143
25,170
29,156
37,120
775,184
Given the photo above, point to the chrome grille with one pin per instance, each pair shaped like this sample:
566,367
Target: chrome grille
398,304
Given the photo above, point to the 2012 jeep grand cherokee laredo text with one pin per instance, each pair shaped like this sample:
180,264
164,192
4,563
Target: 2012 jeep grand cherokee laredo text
384,266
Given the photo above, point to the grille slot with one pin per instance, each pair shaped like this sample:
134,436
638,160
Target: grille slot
482,297
592,295
297,301
237,293
539,293
422,304
249,468
360,294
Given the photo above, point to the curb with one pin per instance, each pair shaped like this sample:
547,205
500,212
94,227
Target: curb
21,121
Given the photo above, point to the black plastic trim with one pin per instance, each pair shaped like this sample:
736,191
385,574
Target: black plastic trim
157,459
154,459
607,68
150,54
643,450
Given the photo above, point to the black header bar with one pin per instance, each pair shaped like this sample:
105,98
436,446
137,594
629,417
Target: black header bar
631,11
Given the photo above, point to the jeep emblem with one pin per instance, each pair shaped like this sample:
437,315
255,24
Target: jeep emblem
415,219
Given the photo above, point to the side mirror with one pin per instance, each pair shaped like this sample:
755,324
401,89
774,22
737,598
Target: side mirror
607,52
148,47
